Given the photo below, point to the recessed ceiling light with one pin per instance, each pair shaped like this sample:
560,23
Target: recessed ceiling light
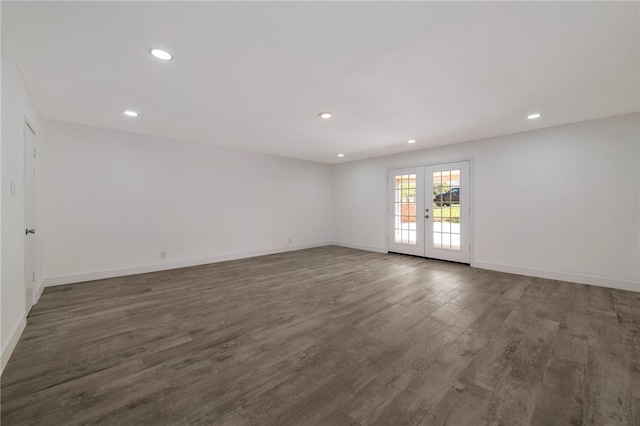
161,54
533,116
340,155
411,141
131,113
325,115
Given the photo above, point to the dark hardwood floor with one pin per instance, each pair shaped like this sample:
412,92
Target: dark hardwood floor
327,336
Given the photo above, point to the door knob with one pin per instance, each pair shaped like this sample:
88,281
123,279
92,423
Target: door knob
30,231
426,216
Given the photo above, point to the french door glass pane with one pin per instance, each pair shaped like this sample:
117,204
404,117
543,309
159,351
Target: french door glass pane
405,209
446,210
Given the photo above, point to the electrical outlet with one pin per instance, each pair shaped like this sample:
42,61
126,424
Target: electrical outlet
163,254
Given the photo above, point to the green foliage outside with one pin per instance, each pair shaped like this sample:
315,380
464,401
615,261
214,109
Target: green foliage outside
447,214
441,188
408,191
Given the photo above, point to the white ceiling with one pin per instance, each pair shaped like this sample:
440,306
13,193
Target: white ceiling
254,76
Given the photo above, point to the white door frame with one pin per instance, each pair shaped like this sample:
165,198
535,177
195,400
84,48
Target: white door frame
29,201
471,198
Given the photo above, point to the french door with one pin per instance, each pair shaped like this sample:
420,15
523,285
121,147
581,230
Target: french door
429,211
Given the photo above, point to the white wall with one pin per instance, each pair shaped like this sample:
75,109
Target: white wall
559,203
16,105
114,200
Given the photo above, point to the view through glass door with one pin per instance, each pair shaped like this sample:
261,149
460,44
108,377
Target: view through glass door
429,211
406,227
447,218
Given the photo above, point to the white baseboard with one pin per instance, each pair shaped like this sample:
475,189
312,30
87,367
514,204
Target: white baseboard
39,293
360,246
143,269
560,276
10,344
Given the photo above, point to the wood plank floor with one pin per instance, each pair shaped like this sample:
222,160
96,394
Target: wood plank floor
327,336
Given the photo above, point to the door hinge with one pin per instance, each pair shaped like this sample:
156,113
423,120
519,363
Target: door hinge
34,153
34,277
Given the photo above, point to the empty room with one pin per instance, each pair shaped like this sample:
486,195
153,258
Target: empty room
320,213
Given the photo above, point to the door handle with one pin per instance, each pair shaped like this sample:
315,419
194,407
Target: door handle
426,216
30,231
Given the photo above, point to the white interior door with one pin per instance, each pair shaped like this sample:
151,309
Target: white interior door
29,215
429,211
405,211
447,222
